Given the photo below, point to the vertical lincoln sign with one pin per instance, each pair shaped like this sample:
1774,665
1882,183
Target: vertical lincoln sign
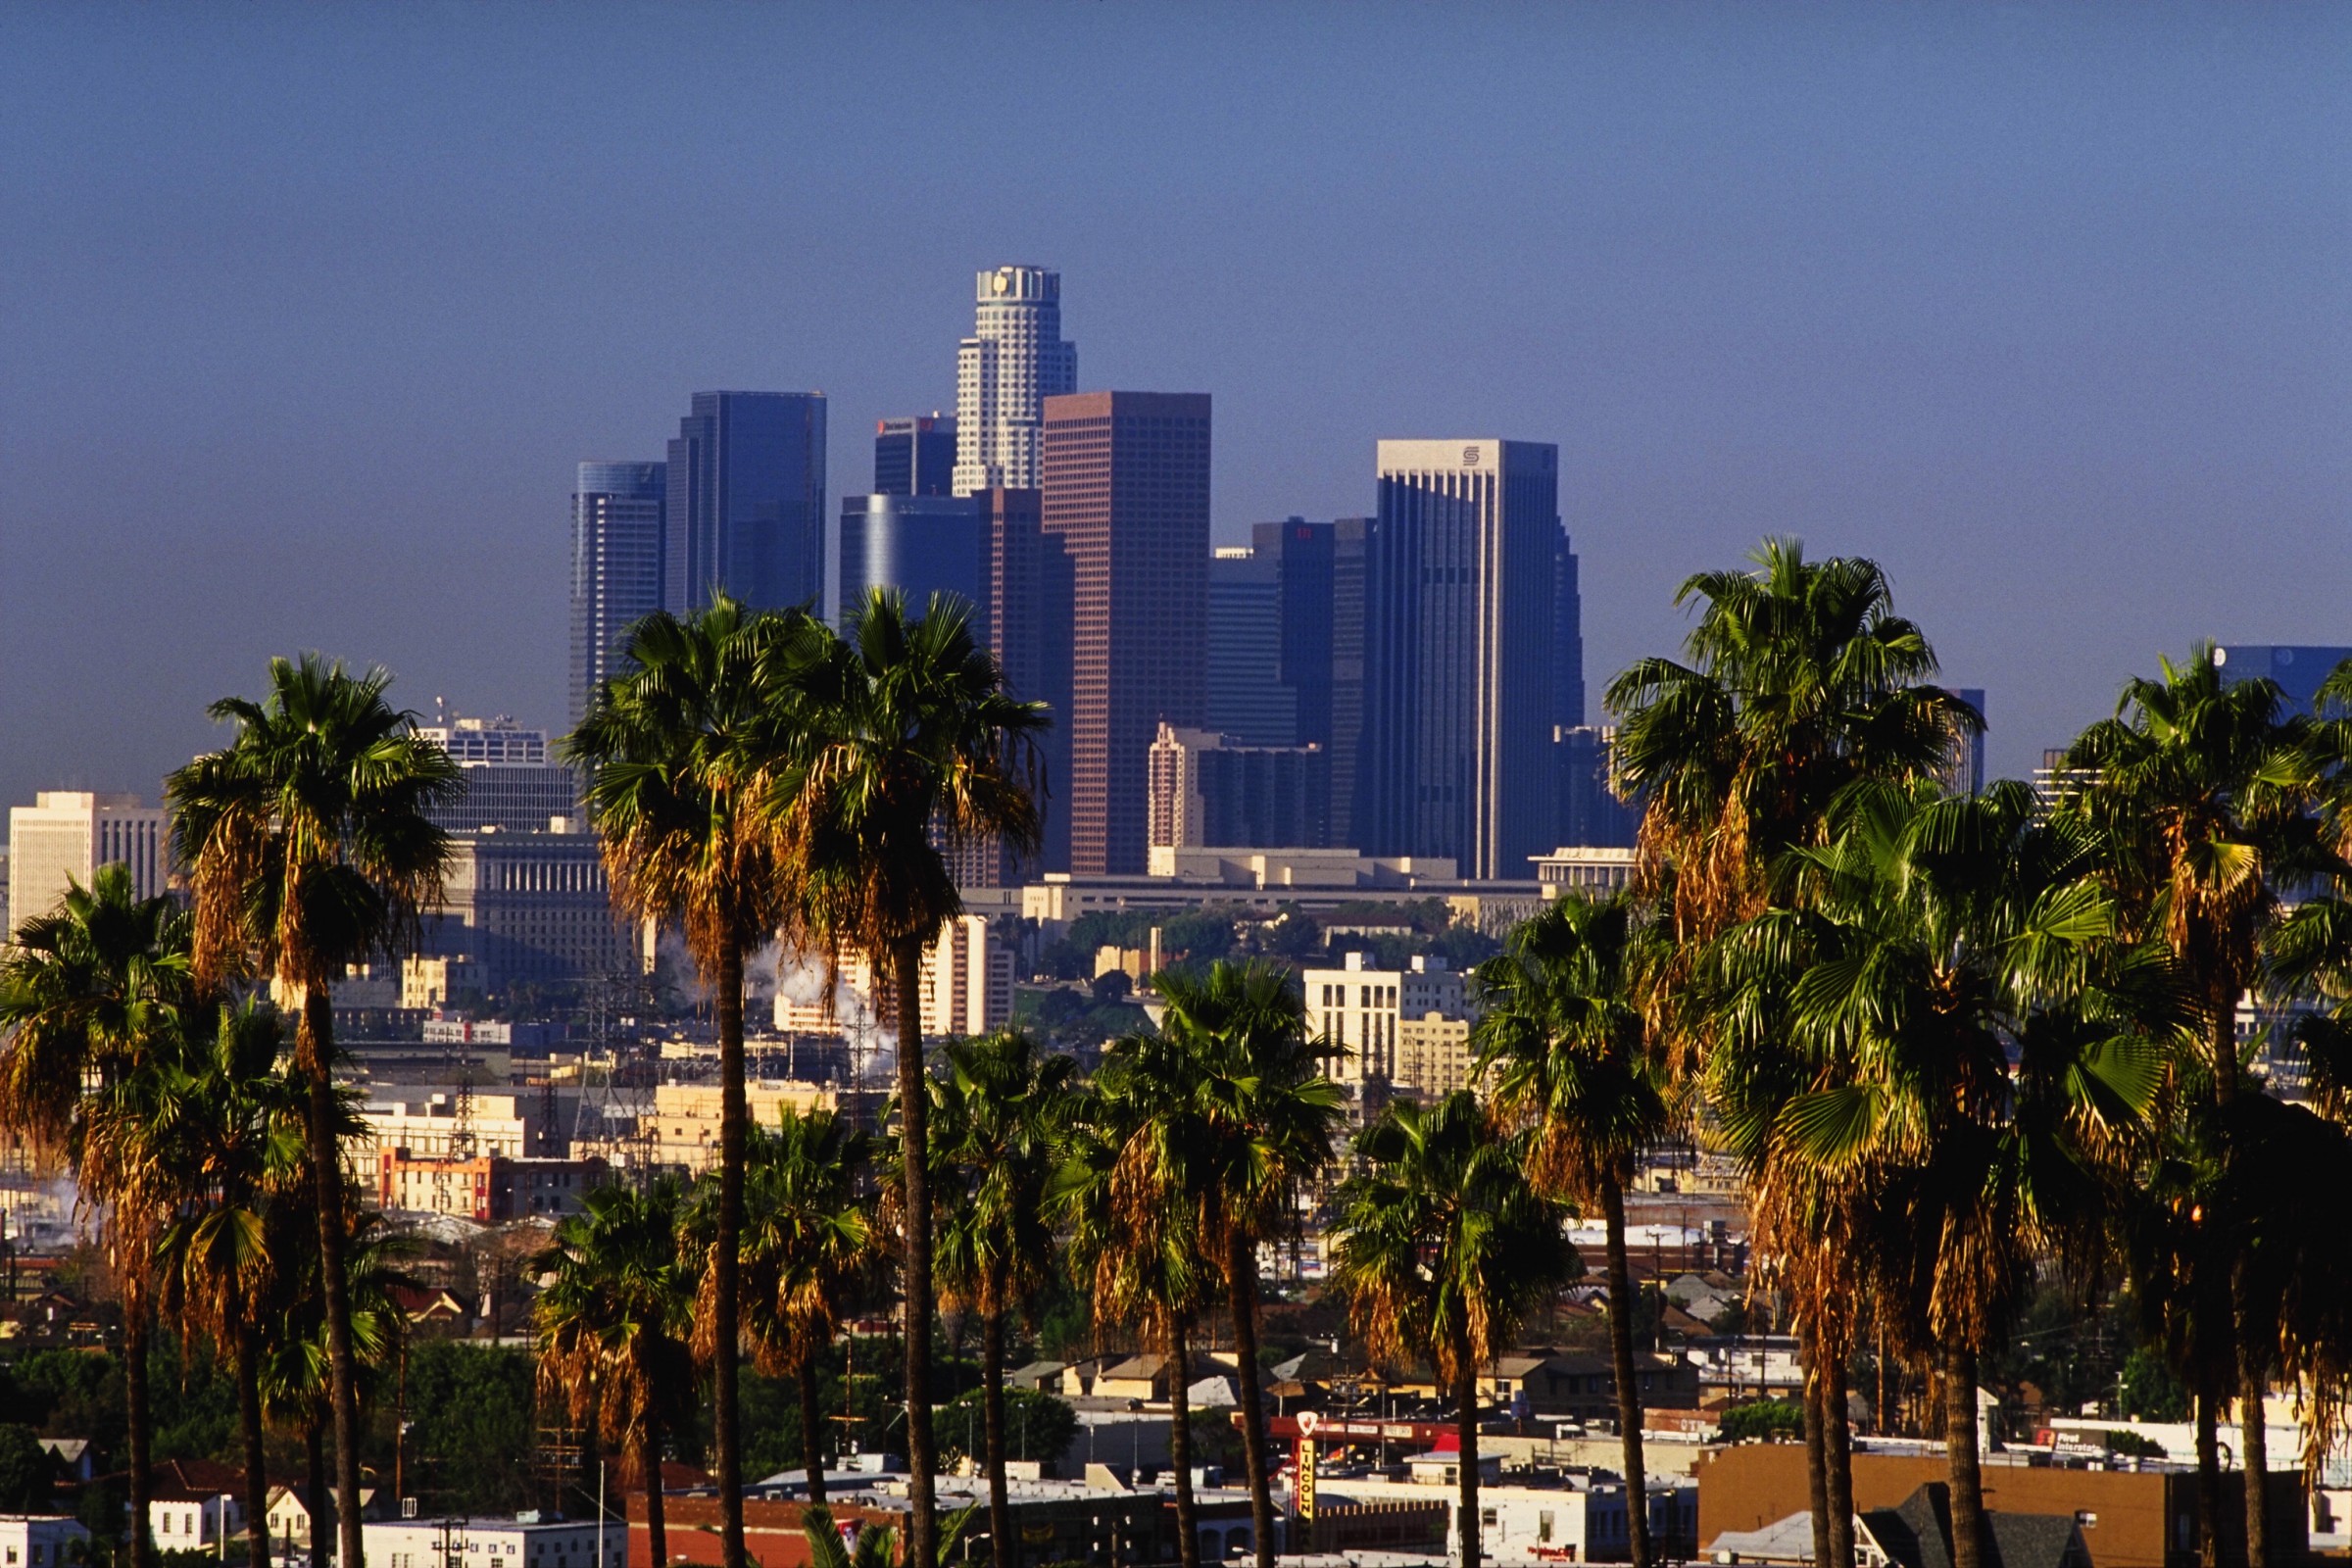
1302,1499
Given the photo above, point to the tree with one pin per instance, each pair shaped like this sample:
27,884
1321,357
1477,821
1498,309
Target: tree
2203,795
1571,1055
1982,1077
808,1249
676,745
231,1129
1000,1112
310,845
1235,1115
612,1326
85,995
1444,1247
918,745
1802,679
1135,1247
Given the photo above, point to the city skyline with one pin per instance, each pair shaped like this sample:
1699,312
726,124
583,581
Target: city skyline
1901,302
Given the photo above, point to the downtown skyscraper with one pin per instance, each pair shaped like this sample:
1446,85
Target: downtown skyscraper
616,558
1126,499
1013,361
1462,585
745,504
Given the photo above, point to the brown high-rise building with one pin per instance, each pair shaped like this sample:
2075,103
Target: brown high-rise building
1126,494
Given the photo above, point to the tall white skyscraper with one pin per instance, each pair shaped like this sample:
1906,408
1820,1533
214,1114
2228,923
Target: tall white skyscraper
1015,359
67,835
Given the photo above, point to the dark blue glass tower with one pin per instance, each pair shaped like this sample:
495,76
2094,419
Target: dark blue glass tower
616,557
746,502
919,545
914,457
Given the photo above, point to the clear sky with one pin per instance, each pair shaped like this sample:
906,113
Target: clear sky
307,312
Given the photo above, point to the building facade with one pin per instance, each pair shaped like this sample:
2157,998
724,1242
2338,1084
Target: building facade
1589,812
1246,698
915,456
745,512
1963,773
507,782
1032,607
1205,790
1567,636
920,545
1356,1009
529,908
488,1189
1126,494
616,557
1463,588
43,1539
1015,359
525,1541
2298,668
66,835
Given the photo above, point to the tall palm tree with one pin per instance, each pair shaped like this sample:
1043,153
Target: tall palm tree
808,1252
309,848
1801,679
1444,1247
231,1128
999,1114
674,747
918,743
2204,795
1571,1056
612,1325
86,993
1983,1076
1237,1114
1134,1251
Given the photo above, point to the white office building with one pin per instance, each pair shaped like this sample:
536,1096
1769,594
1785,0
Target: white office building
523,1542
1013,361
1356,1009
69,834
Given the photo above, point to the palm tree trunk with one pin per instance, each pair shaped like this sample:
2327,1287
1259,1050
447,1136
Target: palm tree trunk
313,1488
315,1047
1629,1385
1817,1436
2209,1480
1837,1454
649,1465
141,1423
249,1416
914,1112
1180,1444
726,1262
2254,1454
1003,1548
812,1432
1465,1426
1960,1454
1241,1281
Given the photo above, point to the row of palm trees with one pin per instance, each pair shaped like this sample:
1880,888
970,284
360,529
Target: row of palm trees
189,1133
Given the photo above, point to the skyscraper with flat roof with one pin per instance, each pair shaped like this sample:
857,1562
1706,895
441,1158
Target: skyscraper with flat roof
1126,494
746,509
1032,605
1462,585
919,545
2297,667
66,835
616,549
914,457
1246,698
1567,638
1013,361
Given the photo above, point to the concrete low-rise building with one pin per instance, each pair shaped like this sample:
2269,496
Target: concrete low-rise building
41,1539
525,1541
489,1189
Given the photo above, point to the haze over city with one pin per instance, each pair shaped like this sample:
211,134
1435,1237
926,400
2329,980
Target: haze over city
311,314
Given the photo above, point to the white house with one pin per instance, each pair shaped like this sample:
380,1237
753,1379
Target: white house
289,1514
38,1540
523,1542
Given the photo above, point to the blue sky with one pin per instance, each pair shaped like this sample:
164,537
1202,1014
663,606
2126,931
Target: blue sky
305,314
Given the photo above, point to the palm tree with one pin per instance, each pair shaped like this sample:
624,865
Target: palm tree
231,1129
309,848
674,745
612,1326
918,744
2203,795
1572,1057
808,1251
1802,679
1984,1080
1236,1114
999,1114
1444,1247
85,993
1134,1251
